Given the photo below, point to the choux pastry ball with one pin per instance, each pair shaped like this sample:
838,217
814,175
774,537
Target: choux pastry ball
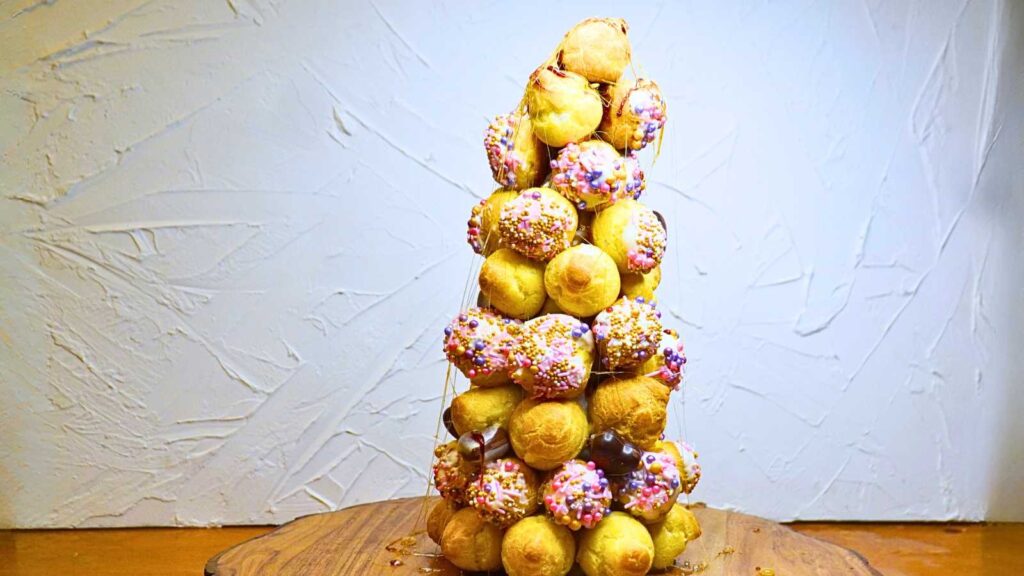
669,363
597,48
686,459
553,357
536,546
438,518
504,492
577,495
471,543
634,407
617,546
591,174
539,223
582,280
478,342
547,433
478,408
517,157
482,228
451,473
649,492
635,116
639,284
513,283
632,235
627,333
671,535
563,106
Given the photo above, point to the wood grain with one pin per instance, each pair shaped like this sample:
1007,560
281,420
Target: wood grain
382,538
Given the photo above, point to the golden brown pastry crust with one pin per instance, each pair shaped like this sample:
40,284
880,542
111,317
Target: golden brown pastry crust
438,518
513,283
471,543
563,106
643,285
597,48
671,535
618,546
582,280
635,407
537,546
545,434
478,408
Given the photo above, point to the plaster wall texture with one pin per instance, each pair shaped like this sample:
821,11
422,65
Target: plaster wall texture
232,232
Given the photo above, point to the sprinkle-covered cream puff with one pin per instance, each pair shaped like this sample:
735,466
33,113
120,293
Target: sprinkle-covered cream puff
539,223
451,473
577,495
517,157
686,460
553,357
591,174
478,342
635,116
668,364
504,492
627,333
482,228
632,235
650,491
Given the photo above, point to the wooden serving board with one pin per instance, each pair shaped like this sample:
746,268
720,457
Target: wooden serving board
387,538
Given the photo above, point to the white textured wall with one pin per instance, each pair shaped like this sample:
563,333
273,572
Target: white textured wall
231,232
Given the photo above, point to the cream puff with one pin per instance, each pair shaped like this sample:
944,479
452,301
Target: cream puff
553,357
539,223
517,157
563,106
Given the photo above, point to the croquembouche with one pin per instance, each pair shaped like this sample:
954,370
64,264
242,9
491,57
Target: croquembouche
558,453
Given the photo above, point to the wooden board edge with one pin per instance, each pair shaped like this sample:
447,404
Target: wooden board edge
211,567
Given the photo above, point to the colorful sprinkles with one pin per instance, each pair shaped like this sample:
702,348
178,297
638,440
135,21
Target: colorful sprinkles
650,490
627,333
645,240
501,493
550,357
593,174
500,145
479,341
646,108
578,496
672,357
538,224
474,227
450,477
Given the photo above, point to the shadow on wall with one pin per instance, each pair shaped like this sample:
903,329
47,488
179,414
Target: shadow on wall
1006,492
